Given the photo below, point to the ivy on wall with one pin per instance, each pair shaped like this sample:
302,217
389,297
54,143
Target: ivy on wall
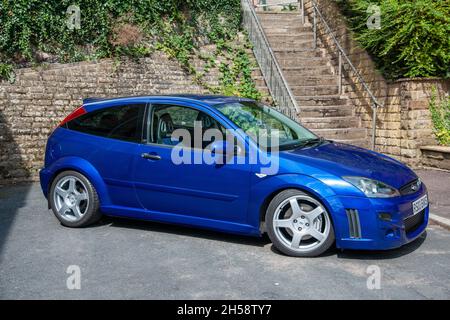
35,31
440,116
413,39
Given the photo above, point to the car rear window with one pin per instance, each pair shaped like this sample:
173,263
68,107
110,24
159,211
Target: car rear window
120,122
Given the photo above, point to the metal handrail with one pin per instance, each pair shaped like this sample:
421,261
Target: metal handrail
338,45
316,12
268,64
266,5
375,104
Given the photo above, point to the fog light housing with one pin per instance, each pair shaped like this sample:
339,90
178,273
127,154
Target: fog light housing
390,233
385,216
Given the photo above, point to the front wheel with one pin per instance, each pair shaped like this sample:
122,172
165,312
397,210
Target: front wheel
74,200
298,224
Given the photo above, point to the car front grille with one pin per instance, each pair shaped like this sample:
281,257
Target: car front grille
411,187
413,222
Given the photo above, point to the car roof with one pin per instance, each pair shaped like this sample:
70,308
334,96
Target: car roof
204,98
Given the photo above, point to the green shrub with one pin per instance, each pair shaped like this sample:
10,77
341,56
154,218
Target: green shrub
113,28
6,71
440,115
413,40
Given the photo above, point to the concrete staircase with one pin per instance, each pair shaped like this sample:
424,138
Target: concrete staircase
312,78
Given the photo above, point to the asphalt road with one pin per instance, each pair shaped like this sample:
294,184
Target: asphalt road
134,260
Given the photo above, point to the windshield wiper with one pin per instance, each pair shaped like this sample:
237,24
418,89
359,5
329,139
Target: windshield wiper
310,142
302,144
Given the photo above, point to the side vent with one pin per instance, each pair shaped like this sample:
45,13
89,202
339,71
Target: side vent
354,226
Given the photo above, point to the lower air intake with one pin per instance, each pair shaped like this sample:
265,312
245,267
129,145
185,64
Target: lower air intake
354,226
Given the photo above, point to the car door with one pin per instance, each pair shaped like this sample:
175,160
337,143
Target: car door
211,191
114,135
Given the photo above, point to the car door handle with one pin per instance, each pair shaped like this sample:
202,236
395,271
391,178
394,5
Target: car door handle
151,156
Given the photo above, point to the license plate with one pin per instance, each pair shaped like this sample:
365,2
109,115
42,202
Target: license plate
420,204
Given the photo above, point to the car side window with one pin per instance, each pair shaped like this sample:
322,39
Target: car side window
165,119
120,122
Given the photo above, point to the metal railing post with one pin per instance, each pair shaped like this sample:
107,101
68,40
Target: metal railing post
374,124
315,28
271,70
302,8
340,74
374,102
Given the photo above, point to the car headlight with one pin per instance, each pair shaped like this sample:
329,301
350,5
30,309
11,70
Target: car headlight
373,188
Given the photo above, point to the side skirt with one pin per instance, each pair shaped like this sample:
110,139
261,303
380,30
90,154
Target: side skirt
170,218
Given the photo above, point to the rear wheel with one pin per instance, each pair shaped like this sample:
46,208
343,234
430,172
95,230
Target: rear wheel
74,200
298,224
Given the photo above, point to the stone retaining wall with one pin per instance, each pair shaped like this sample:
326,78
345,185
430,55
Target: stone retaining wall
39,99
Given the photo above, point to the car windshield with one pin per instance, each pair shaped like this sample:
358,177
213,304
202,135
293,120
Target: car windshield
267,126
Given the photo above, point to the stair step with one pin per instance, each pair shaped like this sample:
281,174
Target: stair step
321,100
281,17
301,61
289,46
325,111
282,53
318,71
331,122
277,29
363,143
308,70
341,133
279,13
315,90
299,79
288,38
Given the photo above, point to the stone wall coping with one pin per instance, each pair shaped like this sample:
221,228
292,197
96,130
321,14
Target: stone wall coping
442,149
430,79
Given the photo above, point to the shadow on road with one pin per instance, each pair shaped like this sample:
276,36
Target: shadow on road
253,241
184,231
12,198
385,254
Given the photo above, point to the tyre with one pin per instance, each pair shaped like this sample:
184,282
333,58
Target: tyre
74,200
298,224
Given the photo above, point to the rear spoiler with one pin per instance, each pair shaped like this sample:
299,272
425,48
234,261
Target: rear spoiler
92,99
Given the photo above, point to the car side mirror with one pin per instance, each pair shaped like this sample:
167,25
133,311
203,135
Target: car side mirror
221,147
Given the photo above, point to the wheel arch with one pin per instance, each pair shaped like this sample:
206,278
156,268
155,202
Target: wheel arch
300,182
83,167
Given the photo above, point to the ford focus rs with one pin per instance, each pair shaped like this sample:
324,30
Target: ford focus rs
135,157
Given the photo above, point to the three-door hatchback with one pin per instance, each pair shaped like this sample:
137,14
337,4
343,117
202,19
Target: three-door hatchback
232,165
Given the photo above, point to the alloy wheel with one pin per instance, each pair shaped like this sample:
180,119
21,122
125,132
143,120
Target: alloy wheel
71,198
301,223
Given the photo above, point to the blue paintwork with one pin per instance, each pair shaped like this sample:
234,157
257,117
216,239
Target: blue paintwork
230,198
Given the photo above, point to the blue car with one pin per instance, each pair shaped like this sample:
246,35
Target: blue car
134,157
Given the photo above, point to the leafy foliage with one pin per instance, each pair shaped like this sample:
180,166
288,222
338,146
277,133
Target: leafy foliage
440,115
31,29
413,40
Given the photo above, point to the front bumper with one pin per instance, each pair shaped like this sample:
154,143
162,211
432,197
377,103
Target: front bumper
376,233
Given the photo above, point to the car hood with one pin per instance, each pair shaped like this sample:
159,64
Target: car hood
346,160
